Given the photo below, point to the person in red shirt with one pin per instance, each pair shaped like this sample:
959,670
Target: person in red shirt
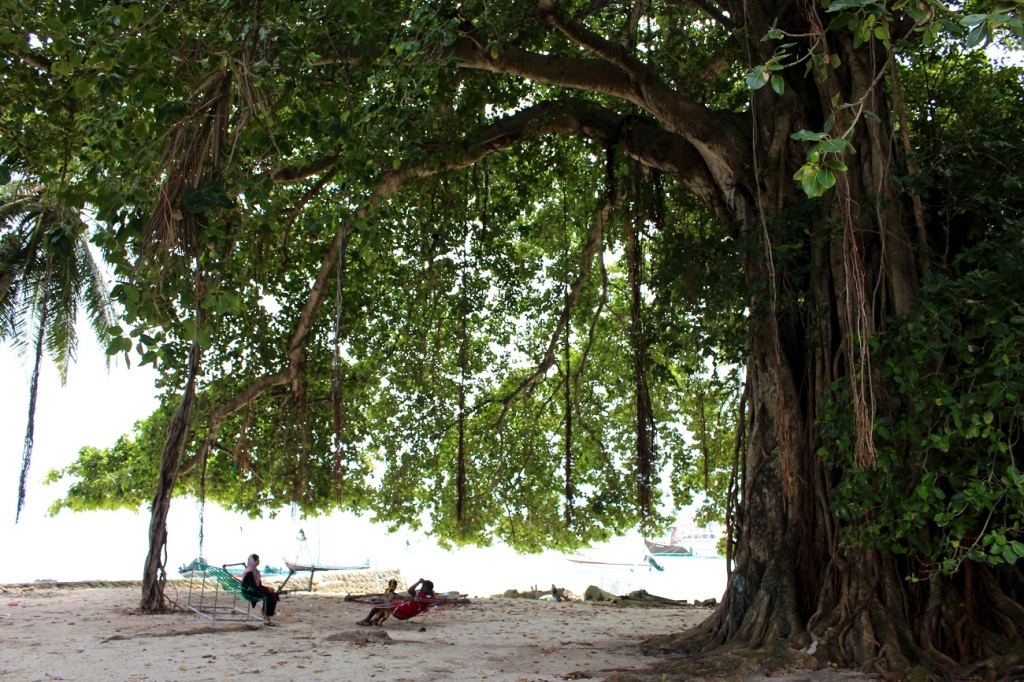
421,597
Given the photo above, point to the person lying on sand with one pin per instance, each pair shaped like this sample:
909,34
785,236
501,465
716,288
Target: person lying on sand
402,609
380,614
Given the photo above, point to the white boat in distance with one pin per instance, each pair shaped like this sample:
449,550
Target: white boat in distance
689,541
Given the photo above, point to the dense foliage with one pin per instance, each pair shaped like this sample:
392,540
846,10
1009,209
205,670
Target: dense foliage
459,289
954,367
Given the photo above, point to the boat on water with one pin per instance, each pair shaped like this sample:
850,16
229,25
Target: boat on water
591,562
662,549
685,542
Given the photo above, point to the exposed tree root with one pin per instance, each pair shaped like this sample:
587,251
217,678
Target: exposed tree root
966,627
207,630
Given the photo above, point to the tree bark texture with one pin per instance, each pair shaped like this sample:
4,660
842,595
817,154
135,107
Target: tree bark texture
154,576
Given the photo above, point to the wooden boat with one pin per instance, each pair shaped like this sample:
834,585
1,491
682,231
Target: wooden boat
301,568
294,568
648,561
690,541
198,565
661,549
604,563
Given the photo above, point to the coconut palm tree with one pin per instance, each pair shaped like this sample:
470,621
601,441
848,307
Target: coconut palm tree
47,274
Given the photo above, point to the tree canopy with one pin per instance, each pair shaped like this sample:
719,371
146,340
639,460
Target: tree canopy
530,272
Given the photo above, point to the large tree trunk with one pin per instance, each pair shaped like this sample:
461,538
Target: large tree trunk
794,587
154,576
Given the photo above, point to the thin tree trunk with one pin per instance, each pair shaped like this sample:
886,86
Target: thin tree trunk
154,576
30,427
569,488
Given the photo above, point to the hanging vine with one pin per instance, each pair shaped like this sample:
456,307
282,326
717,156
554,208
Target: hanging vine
645,431
567,381
337,417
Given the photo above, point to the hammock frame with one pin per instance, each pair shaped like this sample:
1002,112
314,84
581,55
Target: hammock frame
215,594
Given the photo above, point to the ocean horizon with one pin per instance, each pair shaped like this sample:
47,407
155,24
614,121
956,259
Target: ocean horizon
112,546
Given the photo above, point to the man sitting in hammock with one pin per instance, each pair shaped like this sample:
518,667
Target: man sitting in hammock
422,596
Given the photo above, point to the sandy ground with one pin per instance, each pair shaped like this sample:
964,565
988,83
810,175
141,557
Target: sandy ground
49,633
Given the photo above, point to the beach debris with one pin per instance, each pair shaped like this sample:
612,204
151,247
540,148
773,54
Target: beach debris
637,598
595,593
556,594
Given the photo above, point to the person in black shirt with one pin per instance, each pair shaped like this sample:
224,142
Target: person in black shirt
255,591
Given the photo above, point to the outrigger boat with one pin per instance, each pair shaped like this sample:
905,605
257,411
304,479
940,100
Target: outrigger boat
294,568
661,549
685,542
648,561
197,564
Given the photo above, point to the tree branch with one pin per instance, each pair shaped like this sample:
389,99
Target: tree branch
641,139
593,246
722,138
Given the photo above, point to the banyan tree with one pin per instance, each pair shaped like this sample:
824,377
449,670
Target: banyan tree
539,271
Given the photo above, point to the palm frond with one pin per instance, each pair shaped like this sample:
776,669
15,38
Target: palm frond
95,293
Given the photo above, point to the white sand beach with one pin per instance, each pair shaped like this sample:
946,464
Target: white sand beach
58,633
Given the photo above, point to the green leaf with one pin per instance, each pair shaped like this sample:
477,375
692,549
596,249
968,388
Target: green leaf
973,20
121,344
914,11
825,179
756,78
977,35
61,68
807,136
209,194
835,145
778,85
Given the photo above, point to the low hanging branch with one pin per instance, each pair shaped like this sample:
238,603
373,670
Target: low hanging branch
336,404
645,455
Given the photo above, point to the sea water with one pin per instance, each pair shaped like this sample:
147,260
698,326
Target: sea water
110,546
